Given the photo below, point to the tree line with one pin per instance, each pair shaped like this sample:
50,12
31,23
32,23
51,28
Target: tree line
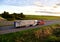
13,16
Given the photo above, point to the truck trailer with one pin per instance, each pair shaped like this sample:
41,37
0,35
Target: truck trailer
25,23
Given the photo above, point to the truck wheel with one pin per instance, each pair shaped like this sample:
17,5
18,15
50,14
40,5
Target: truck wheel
30,25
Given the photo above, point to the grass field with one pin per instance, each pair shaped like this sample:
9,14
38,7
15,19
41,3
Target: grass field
42,17
50,33
38,17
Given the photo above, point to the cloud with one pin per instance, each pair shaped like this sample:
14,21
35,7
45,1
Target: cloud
29,10
46,2
14,6
18,9
38,3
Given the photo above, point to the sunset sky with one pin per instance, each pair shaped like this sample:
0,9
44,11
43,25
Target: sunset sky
29,7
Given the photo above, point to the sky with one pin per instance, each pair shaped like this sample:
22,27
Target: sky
29,7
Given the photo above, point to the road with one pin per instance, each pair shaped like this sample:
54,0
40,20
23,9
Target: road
12,29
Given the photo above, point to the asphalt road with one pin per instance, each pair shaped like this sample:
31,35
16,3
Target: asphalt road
11,29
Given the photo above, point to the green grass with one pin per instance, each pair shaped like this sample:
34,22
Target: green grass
42,17
31,35
1,25
34,17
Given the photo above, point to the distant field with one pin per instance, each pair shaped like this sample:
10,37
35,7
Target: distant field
50,33
42,17
38,17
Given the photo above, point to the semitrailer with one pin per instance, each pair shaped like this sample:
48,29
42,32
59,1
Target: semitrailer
26,23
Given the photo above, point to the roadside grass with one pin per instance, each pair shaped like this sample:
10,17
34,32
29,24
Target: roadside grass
34,17
2,25
42,34
6,23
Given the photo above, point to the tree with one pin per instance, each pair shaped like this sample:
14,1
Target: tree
19,16
14,16
22,15
5,14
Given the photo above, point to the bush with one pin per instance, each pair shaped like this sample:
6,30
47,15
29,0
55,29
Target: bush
56,32
51,39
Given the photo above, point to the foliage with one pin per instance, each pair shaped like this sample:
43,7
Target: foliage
13,16
57,32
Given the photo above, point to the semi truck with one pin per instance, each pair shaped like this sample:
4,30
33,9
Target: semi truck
26,23
41,22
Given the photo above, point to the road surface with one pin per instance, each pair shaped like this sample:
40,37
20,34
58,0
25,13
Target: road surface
12,29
